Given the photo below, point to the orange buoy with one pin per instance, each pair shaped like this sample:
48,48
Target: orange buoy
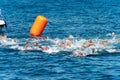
38,26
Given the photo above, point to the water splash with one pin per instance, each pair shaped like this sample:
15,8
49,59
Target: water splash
69,44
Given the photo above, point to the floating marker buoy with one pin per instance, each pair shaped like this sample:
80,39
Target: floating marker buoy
38,26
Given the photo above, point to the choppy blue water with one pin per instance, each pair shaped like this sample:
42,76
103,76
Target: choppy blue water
81,18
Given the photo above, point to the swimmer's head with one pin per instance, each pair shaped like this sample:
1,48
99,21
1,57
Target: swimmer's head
113,34
90,41
36,43
14,40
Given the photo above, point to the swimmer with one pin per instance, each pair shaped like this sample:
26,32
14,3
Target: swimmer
78,54
88,44
43,48
111,34
14,40
62,45
29,39
4,38
103,43
68,43
36,43
40,47
28,45
36,46
118,40
65,45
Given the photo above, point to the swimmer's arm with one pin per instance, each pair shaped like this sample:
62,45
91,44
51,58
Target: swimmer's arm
41,47
28,45
88,45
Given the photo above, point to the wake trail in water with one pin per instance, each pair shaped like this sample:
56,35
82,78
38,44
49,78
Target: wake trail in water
78,47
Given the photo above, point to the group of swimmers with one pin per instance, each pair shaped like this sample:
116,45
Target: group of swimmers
78,47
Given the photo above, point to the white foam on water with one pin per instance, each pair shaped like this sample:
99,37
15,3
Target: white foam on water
52,50
113,50
57,45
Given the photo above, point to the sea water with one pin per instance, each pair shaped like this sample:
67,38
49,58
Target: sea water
83,19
